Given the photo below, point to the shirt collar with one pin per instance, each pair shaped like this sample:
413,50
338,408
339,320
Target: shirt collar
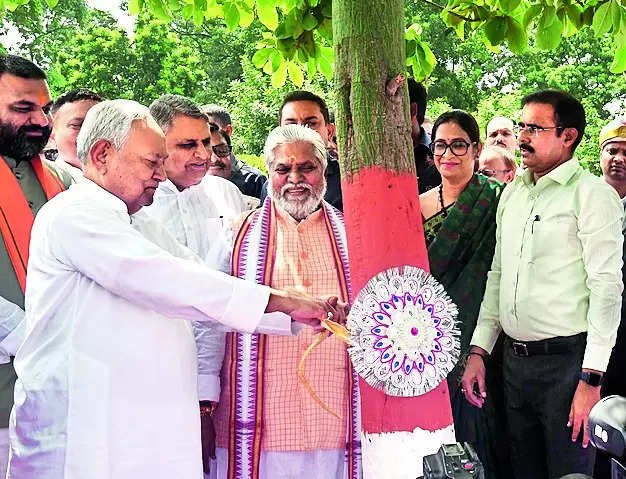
562,174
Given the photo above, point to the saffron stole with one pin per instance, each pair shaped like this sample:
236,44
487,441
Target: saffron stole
253,259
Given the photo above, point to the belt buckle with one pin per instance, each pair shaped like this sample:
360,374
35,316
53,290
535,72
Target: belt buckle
520,349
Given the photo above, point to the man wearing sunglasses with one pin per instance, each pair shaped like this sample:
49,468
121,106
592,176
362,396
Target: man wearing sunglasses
224,163
554,289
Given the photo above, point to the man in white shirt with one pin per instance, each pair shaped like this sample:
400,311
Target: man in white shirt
107,382
68,113
185,209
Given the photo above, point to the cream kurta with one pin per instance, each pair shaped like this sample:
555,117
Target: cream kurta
107,382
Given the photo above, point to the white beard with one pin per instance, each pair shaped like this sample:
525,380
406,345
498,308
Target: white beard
298,209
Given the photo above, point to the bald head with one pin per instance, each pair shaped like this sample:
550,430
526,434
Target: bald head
500,133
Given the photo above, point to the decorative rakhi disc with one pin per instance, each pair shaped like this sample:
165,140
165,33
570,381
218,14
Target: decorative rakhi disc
404,338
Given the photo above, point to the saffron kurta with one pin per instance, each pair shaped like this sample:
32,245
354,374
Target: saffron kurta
107,382
298,437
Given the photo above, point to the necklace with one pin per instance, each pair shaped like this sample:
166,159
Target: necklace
444,211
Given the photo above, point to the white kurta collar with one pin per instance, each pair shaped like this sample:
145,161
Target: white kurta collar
90,189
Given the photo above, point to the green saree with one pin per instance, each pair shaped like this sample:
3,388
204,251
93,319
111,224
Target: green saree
460,252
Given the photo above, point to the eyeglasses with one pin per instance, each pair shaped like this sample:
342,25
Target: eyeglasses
457,147
489,172
222,151
533,129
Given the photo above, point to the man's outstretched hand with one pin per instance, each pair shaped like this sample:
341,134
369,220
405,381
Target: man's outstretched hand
306,309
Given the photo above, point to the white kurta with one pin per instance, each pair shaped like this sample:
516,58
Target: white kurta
107,378
194,219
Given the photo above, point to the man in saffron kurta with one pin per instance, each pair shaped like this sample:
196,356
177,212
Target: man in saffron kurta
25,185
295,241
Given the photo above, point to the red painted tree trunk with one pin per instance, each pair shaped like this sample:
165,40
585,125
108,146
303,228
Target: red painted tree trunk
382,213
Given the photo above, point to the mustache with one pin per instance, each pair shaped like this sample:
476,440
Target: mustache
528,148
34,129
306,186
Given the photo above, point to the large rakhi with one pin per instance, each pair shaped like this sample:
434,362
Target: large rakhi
404,338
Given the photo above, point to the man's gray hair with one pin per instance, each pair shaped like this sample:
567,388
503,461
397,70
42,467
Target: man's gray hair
167,107
109,120
284,135
219,114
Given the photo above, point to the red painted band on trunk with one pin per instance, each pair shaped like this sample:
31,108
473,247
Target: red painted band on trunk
384,229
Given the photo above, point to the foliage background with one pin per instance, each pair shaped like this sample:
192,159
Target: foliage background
85,48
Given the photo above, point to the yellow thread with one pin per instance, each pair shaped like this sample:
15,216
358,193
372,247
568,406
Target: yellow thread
332,328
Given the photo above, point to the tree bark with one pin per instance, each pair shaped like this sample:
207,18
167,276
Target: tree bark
382,213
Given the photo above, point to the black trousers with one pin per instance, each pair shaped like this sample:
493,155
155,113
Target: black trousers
538,392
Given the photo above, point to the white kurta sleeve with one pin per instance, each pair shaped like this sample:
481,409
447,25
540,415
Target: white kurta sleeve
101,244
11,329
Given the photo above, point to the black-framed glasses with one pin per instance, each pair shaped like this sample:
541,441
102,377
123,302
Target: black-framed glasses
457,147
489,172
531,129
222,151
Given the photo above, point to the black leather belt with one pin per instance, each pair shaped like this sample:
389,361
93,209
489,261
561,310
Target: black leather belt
557,345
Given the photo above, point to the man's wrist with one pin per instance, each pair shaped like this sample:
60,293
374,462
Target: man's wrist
591,378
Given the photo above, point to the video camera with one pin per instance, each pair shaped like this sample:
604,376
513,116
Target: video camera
454,461
607,431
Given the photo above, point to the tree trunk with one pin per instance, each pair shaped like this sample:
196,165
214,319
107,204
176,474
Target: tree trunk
382,213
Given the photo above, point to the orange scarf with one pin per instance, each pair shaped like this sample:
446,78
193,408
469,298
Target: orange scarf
16,217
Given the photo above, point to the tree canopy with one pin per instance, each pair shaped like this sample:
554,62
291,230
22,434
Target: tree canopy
199,49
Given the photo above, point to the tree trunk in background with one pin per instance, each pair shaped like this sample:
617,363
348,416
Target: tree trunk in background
382,213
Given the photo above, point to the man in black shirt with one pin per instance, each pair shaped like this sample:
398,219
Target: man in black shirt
427,175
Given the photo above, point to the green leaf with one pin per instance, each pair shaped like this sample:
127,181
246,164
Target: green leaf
325,67
574,13
619,61
508,6
587,16
530,15
268,16
52,3
134,7
160,10
287,47
309,22
246,14
495,30
261,56
279,77
516,36
549,29
616,15
293,23
602,19
295,74
231,15
431,61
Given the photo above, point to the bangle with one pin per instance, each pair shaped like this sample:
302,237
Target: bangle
475,353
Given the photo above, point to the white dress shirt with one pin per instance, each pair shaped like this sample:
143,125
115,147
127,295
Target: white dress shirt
228,201
107,372
194,220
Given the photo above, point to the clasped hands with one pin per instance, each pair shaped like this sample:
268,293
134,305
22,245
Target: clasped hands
306,309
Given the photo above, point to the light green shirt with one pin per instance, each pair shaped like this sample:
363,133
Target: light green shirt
556,270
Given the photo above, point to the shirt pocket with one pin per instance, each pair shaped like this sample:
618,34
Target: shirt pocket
553,237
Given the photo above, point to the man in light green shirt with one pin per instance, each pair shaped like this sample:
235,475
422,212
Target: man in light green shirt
554,290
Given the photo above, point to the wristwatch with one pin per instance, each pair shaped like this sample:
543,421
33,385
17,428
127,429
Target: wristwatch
593,379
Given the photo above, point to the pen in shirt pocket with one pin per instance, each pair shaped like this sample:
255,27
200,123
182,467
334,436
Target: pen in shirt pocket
532,227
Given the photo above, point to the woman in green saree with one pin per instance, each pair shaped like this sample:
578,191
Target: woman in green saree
459,226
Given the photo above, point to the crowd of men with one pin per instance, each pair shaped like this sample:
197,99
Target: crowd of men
172,288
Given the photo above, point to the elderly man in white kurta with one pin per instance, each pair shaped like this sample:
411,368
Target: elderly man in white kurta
107,382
